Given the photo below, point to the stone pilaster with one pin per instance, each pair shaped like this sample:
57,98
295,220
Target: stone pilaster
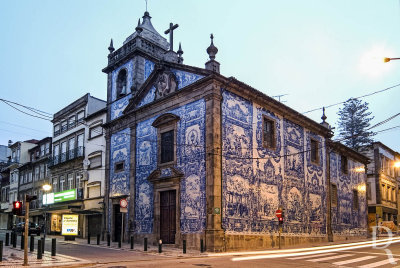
214,235
132,179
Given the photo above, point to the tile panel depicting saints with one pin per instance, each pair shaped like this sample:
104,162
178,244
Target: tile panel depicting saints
190,152
257,180
347,220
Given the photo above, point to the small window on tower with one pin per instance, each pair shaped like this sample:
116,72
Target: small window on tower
119,167
122,83
269,133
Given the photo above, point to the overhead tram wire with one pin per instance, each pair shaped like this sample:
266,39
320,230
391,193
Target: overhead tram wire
360,97
30,108
248,148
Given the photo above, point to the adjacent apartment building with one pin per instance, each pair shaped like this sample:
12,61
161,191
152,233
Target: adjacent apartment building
77,165
383,183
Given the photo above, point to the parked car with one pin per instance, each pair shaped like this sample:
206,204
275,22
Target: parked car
33,228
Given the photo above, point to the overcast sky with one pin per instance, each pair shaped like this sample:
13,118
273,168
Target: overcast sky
317,52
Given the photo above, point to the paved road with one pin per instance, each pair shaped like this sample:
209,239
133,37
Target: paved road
338,256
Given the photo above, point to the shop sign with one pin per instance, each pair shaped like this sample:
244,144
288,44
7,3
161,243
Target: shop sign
58,197
69,224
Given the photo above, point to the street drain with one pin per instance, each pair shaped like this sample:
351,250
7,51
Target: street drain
202,264
116,266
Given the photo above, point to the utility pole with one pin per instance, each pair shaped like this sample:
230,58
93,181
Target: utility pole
26,232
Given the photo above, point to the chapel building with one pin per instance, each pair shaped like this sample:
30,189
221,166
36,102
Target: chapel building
203,157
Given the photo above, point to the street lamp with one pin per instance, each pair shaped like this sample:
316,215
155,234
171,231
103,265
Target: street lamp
46,188
389,59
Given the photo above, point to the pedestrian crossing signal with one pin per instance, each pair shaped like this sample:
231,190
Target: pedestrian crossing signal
280,220
17,208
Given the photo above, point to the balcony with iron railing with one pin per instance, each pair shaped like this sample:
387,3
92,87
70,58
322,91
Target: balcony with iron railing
75,153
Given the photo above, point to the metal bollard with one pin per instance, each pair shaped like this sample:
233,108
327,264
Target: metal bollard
201,245
43,243
98,239
145,244
53,247
132,242
14,240
1,250
159,246
39,249
119,242
108,240
184,246
88,238
22,241
32,246
7,239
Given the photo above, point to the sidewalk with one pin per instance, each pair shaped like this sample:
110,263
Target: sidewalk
14,257
167,250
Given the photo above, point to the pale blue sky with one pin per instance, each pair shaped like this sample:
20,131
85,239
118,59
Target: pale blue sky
317,52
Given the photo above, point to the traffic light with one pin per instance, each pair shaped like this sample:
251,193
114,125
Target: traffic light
30,198
280,219
17,208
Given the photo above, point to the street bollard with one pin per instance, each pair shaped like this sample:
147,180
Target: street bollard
132,242
43,243
1,250
88,238
108,240
201,245
32,246
145,244
184,246
98,239
39,249
7,239
22,241
53,247
159,246
119,242
14,240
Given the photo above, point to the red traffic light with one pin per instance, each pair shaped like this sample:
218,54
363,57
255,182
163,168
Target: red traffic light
17,208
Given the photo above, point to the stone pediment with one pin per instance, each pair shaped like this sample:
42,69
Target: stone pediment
164,174
165,80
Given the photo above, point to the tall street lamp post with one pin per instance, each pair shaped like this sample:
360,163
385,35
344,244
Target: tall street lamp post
46,188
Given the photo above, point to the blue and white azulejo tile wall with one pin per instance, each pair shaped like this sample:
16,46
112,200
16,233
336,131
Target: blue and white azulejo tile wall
257,180
190,161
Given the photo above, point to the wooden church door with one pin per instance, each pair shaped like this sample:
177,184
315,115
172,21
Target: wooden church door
168,216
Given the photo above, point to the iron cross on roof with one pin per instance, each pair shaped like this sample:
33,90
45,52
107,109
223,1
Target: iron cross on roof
170,31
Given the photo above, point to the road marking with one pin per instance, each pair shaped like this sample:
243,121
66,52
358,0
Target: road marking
354,260
331,257
376,264
310,256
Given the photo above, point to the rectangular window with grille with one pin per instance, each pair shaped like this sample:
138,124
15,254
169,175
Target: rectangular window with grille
343,164
167,146
355,199
334,195
269,133
314,151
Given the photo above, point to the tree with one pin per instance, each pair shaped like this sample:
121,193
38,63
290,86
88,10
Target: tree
354,123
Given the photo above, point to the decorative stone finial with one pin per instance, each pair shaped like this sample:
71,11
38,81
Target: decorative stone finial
212,50
138,28
111,47
180,52
324,123
323,117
